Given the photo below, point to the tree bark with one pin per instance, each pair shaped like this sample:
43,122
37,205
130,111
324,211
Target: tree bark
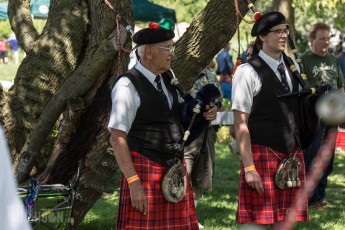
286,7
204,38
63,86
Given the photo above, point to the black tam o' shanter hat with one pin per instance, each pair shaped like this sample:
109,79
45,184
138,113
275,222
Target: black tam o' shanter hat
153,34
266,22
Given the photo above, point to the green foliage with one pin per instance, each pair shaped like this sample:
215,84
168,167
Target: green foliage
309,12
186,10
5,29
306,14
226,104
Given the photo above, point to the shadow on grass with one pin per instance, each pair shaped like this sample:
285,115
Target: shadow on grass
103,215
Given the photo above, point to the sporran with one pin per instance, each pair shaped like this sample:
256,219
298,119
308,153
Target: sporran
174,183
287,175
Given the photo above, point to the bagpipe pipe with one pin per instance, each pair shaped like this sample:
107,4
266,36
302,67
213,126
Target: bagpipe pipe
207,95
321,103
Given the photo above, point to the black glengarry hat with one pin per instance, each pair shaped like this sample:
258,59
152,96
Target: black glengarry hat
266,22
153,34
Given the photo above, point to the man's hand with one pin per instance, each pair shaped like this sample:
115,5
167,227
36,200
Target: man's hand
211,113
138,197
254,181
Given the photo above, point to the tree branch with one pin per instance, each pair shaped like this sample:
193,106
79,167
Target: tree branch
209,31
89,70
21,23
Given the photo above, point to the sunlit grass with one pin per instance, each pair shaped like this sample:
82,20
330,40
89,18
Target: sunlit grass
8,71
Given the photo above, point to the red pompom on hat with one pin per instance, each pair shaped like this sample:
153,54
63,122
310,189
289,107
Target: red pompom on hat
153,34
153,25
257,15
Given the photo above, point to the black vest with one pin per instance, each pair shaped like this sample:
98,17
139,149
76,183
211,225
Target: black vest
273,121
156,131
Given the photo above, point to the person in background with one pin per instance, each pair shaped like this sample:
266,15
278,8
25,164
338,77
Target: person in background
12,213
3,51
267,129
14,48
321,68
225,67
147,123
200,154
246,55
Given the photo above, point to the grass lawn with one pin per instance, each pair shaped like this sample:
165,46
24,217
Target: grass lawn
8,71
217,210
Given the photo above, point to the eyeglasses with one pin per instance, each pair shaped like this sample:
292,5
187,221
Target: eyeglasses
170,49
279,32
324,39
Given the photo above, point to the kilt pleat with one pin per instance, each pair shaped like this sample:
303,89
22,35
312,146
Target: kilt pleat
161,213
273,204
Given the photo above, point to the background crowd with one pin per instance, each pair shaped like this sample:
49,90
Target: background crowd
9,50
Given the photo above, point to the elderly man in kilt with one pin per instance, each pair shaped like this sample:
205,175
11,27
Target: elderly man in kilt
267,130
147,122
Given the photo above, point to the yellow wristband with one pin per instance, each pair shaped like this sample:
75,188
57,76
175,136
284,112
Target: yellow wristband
249,168
132,179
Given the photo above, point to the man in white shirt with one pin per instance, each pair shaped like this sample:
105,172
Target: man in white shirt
267,127
147,128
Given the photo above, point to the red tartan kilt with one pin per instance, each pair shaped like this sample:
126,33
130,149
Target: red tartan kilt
273,204
161,213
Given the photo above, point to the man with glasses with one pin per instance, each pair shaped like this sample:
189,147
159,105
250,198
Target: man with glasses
267,129
147,122
321,67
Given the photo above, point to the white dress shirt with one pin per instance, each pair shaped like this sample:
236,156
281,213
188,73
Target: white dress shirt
246,83
126,100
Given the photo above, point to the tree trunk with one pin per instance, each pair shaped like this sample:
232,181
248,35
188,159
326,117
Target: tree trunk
204,38
285,6
57,111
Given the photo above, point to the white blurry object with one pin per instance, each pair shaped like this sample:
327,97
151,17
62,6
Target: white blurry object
331,108
223,118
12,213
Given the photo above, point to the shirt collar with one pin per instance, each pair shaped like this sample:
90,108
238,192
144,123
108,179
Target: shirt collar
271,62
147,73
